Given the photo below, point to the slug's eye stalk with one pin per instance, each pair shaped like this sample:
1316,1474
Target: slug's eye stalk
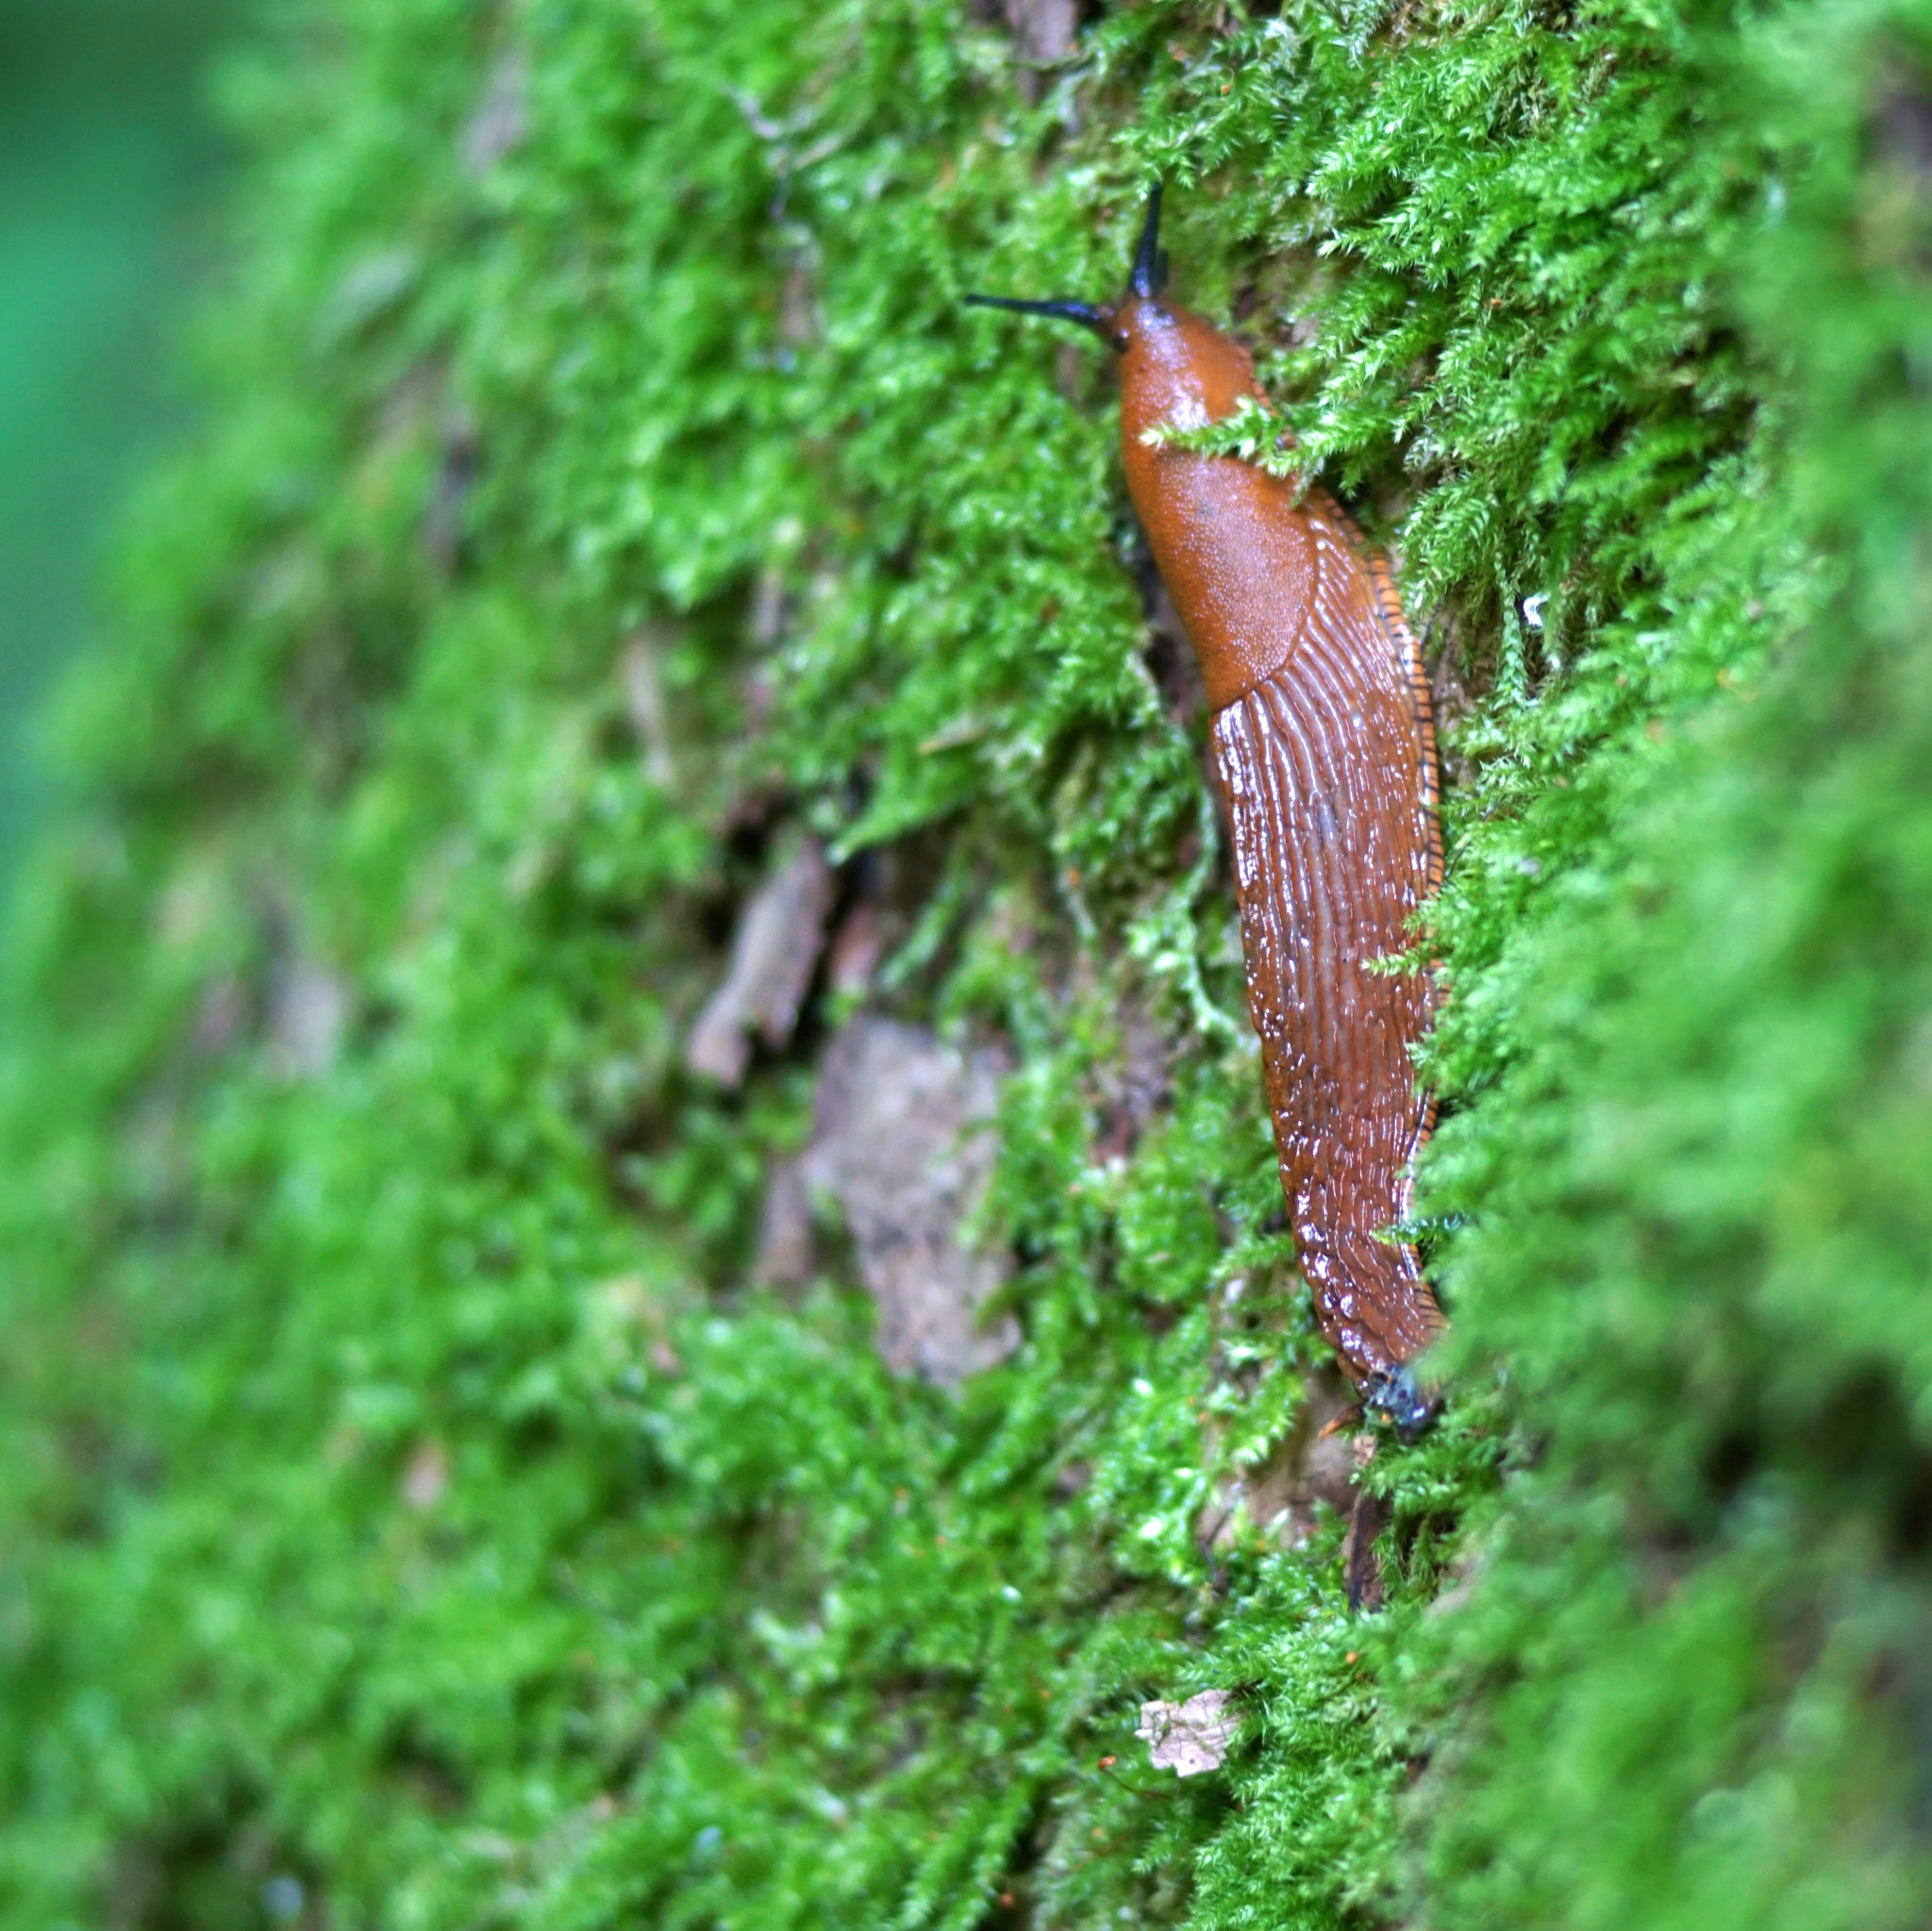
1098,318
1149,277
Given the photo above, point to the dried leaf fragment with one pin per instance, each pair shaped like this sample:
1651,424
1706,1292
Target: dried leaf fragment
502,118
1042,29
773,954
426,1478
902,1144
643,703
308,1016
1190,1738
785,1253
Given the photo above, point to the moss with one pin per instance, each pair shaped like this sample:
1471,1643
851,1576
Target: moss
416,1512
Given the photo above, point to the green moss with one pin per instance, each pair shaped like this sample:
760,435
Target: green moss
416,1515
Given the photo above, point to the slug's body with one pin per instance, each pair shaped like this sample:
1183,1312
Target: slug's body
1324,752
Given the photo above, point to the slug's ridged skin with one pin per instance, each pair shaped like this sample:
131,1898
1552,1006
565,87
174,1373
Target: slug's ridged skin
1325,754
1324,748
1347,1116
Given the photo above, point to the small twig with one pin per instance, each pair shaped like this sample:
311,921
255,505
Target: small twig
1106,1769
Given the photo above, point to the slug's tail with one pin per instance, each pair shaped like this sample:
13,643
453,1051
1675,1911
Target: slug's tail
1397,1393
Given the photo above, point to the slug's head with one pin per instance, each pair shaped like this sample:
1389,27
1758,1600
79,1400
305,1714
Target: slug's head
1174,367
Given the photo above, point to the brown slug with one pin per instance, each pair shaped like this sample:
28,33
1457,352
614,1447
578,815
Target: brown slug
1325,753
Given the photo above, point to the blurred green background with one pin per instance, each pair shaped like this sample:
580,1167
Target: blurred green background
106,158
